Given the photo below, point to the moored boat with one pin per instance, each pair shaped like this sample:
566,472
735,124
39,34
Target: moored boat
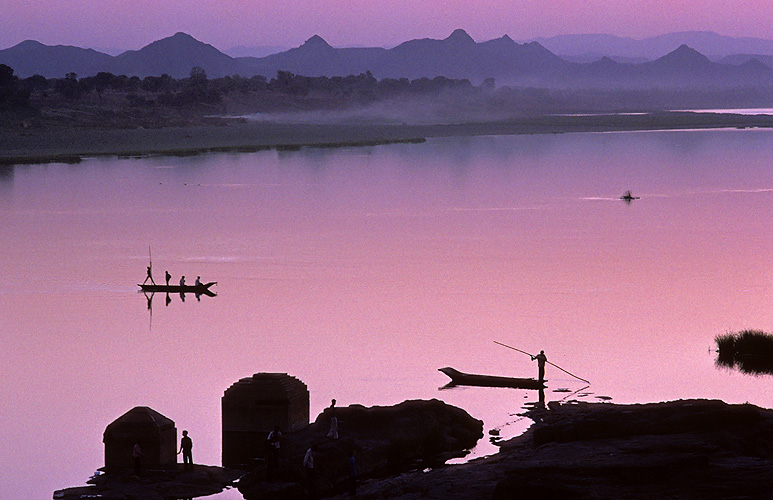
461,378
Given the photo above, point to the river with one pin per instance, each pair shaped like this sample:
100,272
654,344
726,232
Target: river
361,271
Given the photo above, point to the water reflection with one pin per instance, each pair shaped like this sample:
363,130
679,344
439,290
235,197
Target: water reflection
364,273
168,299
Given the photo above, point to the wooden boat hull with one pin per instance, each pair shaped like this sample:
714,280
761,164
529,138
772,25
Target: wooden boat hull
461,378
202,289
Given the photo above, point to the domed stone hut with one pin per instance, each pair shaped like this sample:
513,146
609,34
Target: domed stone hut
252,407
156,434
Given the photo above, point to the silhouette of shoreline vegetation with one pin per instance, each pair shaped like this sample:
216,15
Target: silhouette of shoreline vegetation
748,351
117,101
66,119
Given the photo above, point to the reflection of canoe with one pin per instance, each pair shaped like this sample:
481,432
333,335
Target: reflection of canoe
202,289
460,378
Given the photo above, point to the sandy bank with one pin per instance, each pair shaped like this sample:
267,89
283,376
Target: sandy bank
73,144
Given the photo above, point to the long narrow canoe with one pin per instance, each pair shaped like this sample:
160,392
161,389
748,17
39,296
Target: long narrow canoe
461,378
203,288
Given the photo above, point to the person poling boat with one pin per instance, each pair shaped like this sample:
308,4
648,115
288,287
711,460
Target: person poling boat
541,362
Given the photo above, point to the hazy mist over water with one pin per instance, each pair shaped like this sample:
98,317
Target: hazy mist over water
363,270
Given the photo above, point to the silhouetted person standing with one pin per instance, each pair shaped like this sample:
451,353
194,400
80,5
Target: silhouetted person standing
149,276
333,432
168,277
541,360
351,464
274,442
137,454
308,465
186,447
182,280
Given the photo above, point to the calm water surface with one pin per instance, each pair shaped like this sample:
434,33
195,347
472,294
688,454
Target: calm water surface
362,271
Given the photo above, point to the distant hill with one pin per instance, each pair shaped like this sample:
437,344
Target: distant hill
254,50
31,57
706,42
457,56
175,56
739,59
315,58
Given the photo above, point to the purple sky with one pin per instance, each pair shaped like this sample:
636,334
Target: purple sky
131,24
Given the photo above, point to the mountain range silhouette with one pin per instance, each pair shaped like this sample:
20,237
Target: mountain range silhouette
456,56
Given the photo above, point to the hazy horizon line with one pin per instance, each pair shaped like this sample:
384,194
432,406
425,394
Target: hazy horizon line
117,50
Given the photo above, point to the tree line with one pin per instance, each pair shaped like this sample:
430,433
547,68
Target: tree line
198,89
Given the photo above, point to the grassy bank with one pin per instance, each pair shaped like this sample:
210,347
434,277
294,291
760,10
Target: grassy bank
65,144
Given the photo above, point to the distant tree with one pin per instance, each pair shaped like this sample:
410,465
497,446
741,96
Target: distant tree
488,84
7,77
163,83
12,95
68,86
103,80
36,83
198,74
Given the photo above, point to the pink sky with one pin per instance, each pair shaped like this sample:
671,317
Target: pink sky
131,24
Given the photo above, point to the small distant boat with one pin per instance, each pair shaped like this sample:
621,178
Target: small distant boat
201,289
628,197
461,378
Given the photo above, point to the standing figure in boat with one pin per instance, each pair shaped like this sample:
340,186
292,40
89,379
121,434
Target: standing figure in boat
198,280
168,277
541,360
182,280
149,276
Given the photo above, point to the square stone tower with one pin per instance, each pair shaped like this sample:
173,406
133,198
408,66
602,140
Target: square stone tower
252,407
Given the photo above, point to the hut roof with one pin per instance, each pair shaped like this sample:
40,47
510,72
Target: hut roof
139,416
269,386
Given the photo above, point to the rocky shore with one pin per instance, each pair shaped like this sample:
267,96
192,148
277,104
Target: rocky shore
154,484
690,449
20,145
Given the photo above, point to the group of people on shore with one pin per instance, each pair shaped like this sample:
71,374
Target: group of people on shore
274,440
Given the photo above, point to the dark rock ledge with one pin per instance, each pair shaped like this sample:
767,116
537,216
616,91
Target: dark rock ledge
154,484
687,449
385,441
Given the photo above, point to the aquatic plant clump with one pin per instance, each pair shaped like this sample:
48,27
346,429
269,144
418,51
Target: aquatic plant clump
749,351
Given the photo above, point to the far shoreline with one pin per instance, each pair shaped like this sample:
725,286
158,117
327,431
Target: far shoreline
72,145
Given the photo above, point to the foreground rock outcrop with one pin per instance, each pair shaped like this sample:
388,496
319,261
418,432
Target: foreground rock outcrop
385,441
686,450
691,449
154,484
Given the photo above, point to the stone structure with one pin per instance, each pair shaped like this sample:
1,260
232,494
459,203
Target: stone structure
253,406
156,434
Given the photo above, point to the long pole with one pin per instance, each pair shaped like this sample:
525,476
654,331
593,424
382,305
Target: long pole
548,362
